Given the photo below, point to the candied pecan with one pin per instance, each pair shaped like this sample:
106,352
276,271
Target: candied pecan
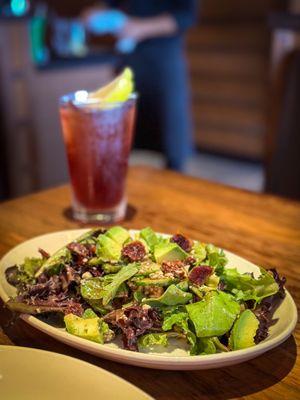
198,275
176,268
134,251
185,243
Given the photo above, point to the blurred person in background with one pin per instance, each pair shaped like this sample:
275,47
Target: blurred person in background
158,60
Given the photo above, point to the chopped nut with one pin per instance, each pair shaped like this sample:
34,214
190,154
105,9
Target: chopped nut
156,275
86,275
153,291
174,269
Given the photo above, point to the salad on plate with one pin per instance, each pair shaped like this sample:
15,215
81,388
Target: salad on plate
148,289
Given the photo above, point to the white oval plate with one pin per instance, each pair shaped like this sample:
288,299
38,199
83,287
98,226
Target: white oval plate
173,358
31,374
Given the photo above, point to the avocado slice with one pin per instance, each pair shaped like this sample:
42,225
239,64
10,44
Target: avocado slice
108,249
89,327
149,236
169,252
165,281
244,331
118,234
85,328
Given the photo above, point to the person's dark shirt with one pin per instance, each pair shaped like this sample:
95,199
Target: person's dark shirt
184,11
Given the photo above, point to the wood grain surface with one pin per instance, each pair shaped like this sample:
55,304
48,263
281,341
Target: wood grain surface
262,228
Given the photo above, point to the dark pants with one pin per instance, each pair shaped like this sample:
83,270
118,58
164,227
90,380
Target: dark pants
163,118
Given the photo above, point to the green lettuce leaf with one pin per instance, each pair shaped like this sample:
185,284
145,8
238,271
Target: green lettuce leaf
210,346
153,339
110,290
215,258
206,346
171,297
106,288
89,313
219,346
25,273
31,265
183,285
177,318
214,315
91,289
98,306
199,252
246,287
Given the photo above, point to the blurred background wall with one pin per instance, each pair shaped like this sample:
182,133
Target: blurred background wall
233,55
229,54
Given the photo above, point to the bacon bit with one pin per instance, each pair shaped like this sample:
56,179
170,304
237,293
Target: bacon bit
176,268
198,275
185,243
134,251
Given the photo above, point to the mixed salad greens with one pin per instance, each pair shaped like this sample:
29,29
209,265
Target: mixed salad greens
149,289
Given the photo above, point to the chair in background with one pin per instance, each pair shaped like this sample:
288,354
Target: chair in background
283,138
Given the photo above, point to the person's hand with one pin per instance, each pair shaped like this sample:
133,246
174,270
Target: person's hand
140,29
136,29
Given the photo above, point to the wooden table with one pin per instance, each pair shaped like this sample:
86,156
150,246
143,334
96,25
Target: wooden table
262,228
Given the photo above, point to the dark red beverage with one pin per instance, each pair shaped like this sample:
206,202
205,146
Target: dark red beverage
98,141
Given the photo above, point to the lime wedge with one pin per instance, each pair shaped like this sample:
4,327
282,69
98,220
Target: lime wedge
116,91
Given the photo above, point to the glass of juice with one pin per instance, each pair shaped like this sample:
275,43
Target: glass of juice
98,137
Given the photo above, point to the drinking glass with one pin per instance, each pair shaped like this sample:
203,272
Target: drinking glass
98,138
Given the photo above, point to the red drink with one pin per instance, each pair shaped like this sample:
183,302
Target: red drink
98,141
